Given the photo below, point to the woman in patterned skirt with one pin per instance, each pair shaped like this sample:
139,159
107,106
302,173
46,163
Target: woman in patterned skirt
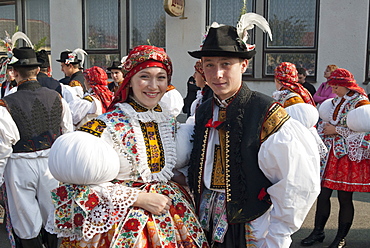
117,169
345,130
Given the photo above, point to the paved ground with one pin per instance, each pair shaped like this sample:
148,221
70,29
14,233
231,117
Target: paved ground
358,236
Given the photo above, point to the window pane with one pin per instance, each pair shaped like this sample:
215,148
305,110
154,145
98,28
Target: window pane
292,23
7,20
38,22
228,11
101,24
304,60
101,60
147,23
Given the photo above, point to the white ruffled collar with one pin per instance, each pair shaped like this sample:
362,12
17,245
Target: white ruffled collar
337,101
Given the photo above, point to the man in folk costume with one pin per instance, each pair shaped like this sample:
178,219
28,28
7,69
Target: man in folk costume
30,120
8,80
44,77
70,65
116,74
251,184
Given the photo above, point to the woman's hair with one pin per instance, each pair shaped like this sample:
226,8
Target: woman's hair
332,67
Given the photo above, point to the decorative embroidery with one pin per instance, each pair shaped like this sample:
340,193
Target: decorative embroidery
218,171
74,83
153,141
139,108
124,123
275,118
88,98
94,127
2,103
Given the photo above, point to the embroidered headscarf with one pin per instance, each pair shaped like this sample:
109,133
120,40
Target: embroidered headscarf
139,58
97,78
344,78
287,74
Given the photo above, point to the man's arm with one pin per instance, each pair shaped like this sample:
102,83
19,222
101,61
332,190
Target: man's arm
9,135
290,160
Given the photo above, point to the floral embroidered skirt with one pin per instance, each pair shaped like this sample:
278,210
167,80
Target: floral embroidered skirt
344,174
179,227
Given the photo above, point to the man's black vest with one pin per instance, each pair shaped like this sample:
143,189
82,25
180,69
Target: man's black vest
37,112
246,184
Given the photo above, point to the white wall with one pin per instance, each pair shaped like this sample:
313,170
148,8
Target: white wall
183,35
65,30
343,32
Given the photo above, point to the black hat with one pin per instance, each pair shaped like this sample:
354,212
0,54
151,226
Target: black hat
223,41
115,65
26,57
43,58
68,57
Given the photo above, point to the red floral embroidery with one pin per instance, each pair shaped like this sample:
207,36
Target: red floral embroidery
62,193
78,219
163,225
92,201
119,126
132,225
180,209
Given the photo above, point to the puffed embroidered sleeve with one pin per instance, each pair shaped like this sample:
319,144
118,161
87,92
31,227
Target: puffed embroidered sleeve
85,164
290,160
9,135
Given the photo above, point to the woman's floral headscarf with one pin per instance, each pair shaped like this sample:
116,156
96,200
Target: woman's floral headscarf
97,78
287,74
139,58
344,78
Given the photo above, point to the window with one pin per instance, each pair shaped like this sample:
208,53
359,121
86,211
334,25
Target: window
101,32
294,30
37,18
7,20
147,23
106,27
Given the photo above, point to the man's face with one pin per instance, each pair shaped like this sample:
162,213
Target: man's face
116,75
9,75
224,74
301,78
67,69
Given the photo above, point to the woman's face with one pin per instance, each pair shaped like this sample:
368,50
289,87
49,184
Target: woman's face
327,73
278,85
339,90
149,85
199,81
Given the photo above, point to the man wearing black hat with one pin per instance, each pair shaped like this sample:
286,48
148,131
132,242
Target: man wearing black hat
116,74
70,65
9,82
31,119
251,185
44,76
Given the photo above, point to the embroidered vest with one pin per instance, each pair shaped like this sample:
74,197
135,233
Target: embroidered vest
248,123
37,112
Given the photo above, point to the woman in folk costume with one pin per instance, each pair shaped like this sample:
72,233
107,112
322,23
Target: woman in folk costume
296,100
96,100
289,91
133,143
345,129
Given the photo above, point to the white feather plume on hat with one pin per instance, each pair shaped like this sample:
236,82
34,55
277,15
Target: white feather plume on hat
82,54
248,21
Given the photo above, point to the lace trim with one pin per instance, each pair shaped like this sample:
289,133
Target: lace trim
113,203
166,134
354,142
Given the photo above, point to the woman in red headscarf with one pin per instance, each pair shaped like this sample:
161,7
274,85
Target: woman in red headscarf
289,91
117,189
95,101
345,129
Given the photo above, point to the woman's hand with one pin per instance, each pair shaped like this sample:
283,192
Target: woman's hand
329,129
155,203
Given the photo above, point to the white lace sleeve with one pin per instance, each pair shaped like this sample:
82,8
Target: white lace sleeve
353,141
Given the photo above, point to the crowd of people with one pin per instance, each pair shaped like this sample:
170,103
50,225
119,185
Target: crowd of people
85,162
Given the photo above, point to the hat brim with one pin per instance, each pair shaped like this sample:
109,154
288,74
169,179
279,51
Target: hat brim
25,65
218,53
61,61
112,68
